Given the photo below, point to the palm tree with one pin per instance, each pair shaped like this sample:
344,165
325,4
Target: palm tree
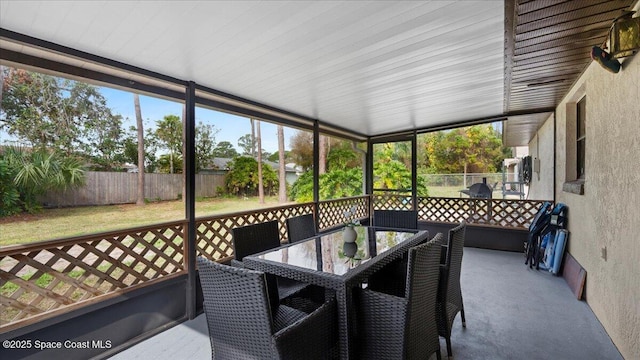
322,155
282,189
140,190
260,184
39,171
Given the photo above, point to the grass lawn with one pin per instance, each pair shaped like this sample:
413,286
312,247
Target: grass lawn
444,191
59,223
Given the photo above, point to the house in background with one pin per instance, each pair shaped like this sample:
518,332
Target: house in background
219,166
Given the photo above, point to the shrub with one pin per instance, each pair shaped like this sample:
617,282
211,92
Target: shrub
242,178
34,172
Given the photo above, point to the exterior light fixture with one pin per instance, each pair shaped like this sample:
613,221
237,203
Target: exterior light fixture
624,36
605,60
624,40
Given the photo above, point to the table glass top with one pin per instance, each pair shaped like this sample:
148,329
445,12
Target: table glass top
329,252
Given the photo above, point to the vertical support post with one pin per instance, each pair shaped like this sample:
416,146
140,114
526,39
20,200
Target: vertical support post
555,150
190,197
316,169
414,170
369,177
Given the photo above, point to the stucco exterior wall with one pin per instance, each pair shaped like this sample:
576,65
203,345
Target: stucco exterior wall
607,216
541,148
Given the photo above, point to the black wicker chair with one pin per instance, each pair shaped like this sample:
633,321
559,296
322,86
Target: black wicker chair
392,278
301,227
392,327
449,292
243,325
255,238
251,239
397,219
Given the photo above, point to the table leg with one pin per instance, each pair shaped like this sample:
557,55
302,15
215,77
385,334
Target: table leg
346,323
343,323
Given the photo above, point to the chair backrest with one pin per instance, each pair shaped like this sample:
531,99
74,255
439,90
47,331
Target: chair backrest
423,272
237,311
400,219
455,248
255,238
300,227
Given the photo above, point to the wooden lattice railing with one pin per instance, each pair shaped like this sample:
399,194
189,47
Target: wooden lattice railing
392,202
37,280
44,279
331,212
214,237
493,212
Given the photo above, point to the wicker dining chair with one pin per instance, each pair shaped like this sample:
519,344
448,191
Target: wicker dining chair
300,227
397,219
255,238
450,292
243,325
392,327
392,278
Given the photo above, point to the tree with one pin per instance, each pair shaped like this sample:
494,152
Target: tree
100,131
70,117
140,148
282,190
302,149
9,192
245,143
253,138
390,168
169,133
322,156
475,148
167,163
242,177
275,157
2,76
205,143
342,156
130,149
260,182
334,184
224,149
32,106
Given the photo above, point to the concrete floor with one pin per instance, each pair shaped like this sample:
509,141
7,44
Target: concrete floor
512,312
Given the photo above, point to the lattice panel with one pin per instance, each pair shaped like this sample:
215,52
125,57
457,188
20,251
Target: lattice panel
392,202
451,210
214,236
41,278
504,213
515,213
331,212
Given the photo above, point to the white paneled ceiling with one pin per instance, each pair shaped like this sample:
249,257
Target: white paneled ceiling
370,66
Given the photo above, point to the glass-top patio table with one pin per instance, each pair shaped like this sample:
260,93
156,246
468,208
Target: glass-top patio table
325,260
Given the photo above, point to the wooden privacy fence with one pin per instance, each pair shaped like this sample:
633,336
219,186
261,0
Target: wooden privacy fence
106,188
46,279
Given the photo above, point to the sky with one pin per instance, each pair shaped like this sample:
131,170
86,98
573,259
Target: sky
230,127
